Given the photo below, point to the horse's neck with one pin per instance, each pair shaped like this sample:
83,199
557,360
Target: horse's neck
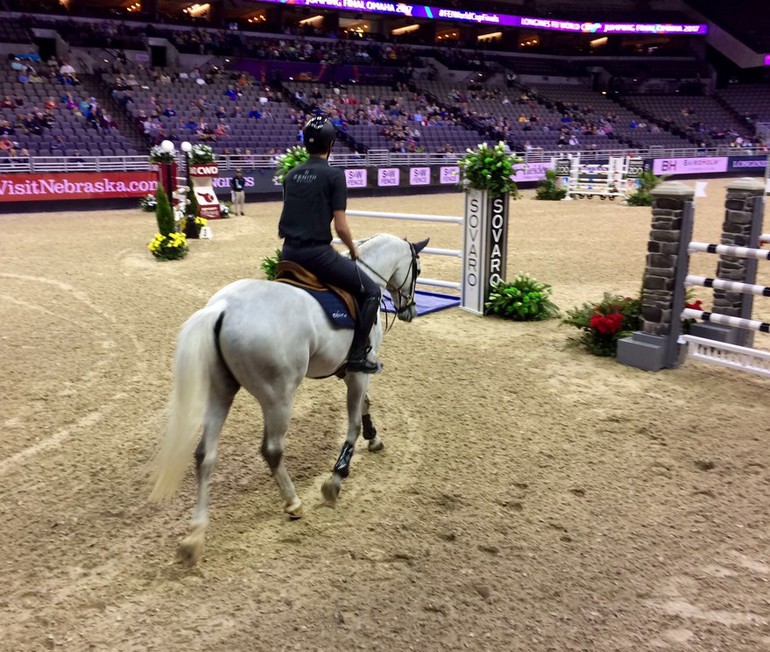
382,256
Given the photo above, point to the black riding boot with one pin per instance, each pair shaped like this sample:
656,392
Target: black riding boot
357,360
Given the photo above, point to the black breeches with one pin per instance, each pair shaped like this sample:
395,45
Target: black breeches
334,269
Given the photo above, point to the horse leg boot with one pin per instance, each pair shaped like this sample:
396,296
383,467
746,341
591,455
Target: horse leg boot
357,358
357,384
370,432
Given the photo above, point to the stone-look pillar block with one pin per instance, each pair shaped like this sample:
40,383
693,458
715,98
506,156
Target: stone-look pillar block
655,346
742,227
739,229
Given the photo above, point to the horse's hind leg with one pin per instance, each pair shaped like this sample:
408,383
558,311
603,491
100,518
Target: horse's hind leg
220,400
277,417
357,384
370,432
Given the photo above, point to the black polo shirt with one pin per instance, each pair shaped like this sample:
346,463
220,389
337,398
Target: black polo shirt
311,193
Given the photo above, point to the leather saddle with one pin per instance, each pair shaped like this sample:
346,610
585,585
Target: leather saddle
332,299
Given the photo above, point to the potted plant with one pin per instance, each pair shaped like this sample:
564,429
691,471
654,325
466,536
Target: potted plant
284,163
168,243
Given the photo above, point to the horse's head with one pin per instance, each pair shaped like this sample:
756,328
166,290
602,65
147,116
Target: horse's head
396,263
403,282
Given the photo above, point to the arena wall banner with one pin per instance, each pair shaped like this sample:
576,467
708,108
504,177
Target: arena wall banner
76,185
748,164
699,165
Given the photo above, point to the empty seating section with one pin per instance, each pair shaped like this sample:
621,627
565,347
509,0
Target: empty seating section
24,113
526,122
753,101
583,105
704,119
14,32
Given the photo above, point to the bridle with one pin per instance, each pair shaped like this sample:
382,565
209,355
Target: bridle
406,300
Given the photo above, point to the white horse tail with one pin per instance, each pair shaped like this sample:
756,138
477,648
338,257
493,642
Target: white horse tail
196,355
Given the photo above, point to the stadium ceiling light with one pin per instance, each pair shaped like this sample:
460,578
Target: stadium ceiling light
405,30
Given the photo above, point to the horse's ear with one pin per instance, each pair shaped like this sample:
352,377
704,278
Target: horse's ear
419,246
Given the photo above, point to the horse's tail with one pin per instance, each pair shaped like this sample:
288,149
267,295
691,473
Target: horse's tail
196,355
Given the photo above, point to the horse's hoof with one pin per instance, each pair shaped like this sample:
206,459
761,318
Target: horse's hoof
331,489
375,445
190,549
294,510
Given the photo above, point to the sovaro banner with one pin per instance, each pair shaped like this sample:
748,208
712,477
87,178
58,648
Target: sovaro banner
485,240
203,185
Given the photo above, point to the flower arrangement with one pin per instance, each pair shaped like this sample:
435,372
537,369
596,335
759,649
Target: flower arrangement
523,299
284,163
157,155
549,188
693,304
643,195
489,168
148,203
169,247
269,265
224,209
168,243
200,154
603,324
192,227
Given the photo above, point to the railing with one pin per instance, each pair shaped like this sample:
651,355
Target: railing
372,158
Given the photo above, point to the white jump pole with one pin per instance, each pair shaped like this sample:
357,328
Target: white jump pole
726,320
413,217
728,250
729,286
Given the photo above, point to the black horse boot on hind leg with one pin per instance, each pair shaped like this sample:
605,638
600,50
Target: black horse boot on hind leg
357,358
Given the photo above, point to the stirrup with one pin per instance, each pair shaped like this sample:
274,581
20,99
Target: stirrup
361,363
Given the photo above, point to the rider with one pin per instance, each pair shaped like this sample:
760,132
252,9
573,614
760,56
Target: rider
314,194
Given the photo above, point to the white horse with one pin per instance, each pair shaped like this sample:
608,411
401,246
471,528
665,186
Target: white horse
266,337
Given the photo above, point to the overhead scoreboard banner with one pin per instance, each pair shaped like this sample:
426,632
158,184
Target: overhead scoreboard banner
498,20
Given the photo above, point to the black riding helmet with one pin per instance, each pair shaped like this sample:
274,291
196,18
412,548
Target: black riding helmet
319,135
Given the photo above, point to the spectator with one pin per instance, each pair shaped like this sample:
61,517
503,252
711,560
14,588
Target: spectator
6,144
7,103
66,69
50,104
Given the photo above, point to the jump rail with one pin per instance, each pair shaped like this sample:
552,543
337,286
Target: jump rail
408,216
728,250
729,286
726,320
436,251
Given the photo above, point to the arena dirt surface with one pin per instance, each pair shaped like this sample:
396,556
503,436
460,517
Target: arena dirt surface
530,497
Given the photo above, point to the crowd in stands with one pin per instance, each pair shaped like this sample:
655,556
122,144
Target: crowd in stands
34,120
223,107
398,115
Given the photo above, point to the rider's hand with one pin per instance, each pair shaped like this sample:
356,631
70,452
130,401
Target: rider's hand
354,253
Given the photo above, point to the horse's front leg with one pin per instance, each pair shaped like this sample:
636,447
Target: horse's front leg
370,432
357,384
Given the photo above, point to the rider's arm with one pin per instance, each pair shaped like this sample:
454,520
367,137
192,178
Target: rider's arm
343,231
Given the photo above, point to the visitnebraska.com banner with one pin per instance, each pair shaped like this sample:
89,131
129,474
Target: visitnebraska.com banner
76,185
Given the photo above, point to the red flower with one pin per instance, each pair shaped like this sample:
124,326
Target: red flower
695,305
606,324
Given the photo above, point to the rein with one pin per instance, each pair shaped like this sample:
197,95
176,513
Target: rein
407,300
